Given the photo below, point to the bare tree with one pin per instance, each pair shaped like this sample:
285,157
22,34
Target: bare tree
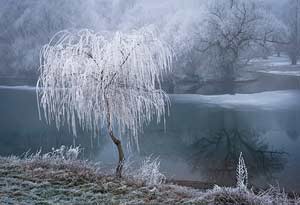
293,22
95,81
232,28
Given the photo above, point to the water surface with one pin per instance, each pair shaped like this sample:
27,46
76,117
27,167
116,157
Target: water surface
202,140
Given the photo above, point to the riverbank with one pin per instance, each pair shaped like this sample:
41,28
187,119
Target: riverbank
57,178
259,75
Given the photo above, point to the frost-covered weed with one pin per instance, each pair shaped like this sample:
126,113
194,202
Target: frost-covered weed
58,159
241,194
276,196
241,173
236,195
62,153
148,173
67,153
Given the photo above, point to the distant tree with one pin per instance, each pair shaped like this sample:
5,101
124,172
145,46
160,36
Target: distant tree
95,81
292,16
27,25
231,29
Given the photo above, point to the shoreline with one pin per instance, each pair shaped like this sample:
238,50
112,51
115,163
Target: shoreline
52,179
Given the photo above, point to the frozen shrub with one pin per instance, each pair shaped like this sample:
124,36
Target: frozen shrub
149,173
72,153
62,153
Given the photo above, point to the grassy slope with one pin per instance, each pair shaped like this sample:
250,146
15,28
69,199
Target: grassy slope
48,179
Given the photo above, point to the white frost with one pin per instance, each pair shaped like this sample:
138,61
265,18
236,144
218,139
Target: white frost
241,174
86,75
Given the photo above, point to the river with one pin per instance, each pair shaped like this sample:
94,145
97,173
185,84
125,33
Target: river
202,140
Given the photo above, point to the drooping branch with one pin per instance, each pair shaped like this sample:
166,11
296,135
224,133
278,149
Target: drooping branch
125,59
93,81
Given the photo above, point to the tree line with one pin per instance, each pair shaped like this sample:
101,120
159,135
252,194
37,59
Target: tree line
211,39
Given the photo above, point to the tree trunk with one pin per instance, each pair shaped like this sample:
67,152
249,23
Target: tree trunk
116,141
294,60
120,152
278,54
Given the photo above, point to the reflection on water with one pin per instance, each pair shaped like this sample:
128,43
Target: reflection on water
205,136
219,152
202,141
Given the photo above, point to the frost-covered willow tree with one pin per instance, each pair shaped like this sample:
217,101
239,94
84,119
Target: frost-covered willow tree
94,81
